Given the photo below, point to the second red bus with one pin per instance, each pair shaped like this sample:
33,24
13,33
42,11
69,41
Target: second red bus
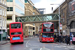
46,33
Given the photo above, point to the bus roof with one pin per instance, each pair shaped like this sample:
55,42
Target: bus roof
15,22
47,23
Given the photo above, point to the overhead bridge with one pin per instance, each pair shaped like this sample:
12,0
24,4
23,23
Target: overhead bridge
35,21
38,18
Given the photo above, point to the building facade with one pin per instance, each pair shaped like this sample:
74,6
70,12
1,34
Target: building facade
67,14
3,19
29,30
30,9
15,8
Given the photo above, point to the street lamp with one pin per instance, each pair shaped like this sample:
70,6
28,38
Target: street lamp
59,16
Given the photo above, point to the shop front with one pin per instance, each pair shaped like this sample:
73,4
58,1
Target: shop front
3,35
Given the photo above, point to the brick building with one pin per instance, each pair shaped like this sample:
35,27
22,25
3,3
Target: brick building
67,14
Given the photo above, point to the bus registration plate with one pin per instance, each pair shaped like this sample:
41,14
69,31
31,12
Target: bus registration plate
16,38
48,41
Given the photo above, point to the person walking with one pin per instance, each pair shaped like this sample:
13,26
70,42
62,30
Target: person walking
54,37
68,40
60,38
71,40
71,37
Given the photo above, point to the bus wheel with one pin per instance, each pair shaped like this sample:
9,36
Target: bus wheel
22,42
11,43
41,41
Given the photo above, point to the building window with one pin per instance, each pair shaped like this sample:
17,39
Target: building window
9,17
72,24
33,13
9,0
33,28
19,11
26,1
9,8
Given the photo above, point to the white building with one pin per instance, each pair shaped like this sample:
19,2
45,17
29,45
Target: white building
3,19
15,8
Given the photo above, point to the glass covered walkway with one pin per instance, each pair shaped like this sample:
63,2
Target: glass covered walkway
38,18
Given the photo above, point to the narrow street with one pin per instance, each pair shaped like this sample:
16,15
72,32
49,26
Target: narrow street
34,44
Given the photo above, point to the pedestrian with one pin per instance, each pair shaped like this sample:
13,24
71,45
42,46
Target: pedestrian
60,38
68,40
57,38
71,37
71,40
54,37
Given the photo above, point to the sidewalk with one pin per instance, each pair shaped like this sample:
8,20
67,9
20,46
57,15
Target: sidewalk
66,44
3,42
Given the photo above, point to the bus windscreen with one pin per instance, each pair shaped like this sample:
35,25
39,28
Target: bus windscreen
47,35
48,25
13,26
15,33
48,30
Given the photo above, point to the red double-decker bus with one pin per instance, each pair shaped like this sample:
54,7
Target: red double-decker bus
46,33
16,32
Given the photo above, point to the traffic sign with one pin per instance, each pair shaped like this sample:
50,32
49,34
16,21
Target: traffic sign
60,26
1,32
5,30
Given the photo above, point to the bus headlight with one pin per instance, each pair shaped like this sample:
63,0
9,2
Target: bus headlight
43,39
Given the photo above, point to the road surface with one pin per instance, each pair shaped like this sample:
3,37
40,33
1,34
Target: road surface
33,43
